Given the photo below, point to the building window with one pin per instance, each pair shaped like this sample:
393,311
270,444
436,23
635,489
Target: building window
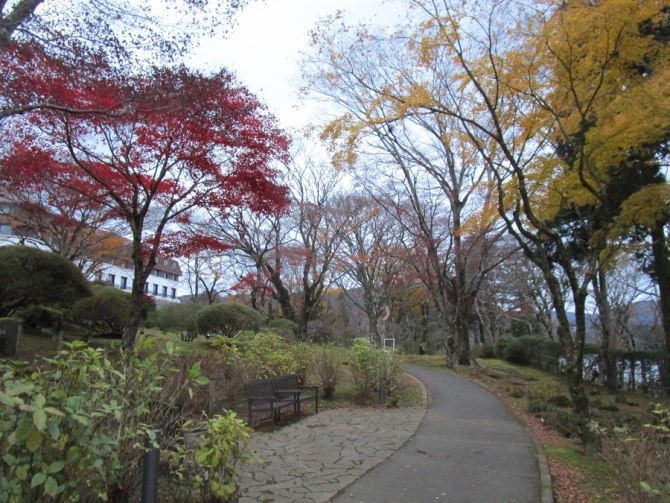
165,262
6,229
98,275
174,293
155,289
7,209
165,291
124,283
111,278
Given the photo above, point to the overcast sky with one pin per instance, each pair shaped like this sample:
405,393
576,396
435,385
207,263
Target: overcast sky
263,48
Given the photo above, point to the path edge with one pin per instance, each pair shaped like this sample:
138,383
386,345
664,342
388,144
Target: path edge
424,406
424,391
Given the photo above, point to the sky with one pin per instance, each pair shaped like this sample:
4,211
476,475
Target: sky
263,48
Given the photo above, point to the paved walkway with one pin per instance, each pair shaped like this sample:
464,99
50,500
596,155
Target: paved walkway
466,448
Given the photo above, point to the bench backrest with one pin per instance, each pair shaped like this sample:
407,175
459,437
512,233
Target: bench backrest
260,388
287,382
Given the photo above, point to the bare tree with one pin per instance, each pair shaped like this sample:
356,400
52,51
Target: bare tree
369,258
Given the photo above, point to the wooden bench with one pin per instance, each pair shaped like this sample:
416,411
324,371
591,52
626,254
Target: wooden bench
288,384
261,397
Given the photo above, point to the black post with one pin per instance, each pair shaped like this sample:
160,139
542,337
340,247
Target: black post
382,390
150,469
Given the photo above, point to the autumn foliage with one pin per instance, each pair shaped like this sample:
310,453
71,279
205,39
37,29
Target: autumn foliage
180,141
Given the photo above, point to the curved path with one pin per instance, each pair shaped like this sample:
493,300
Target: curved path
468,449
465,448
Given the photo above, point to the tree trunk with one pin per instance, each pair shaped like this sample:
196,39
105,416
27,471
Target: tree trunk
573,351
661,271
602,302
141,274
281,294
462,333
136,306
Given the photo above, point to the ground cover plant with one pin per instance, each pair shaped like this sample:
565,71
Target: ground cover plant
72,426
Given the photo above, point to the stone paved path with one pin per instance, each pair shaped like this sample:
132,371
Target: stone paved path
310,461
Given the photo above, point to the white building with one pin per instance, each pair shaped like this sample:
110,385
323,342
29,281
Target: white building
162,285
113,265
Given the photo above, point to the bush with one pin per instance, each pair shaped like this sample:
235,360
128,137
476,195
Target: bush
540,352
566,423
72,428
484,351
369,365
515,393
106,313
213,463
543,392
283,327
640,459
271,355
536,406
179,318
328,365
42,317
34,277
303,355
227,319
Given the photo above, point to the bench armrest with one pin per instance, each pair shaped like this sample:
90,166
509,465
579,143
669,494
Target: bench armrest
311,386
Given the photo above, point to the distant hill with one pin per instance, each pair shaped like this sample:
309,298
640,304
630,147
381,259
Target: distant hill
643,322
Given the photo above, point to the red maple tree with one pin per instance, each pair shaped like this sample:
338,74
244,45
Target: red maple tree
47,200
184,141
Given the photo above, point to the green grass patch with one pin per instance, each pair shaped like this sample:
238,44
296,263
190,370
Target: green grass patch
433,361
574,457
597,479
527,373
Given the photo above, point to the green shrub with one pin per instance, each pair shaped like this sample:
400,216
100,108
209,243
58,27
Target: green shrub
303,355
364,364
233,369
271,355
565,422
540,352
283,327
515,350
488,350
41,317
180,319
640,458
395,369
328,365
72,429
228,319
213,463
515,393
369,364
543,392
560,400
101,315
536,406
35,277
